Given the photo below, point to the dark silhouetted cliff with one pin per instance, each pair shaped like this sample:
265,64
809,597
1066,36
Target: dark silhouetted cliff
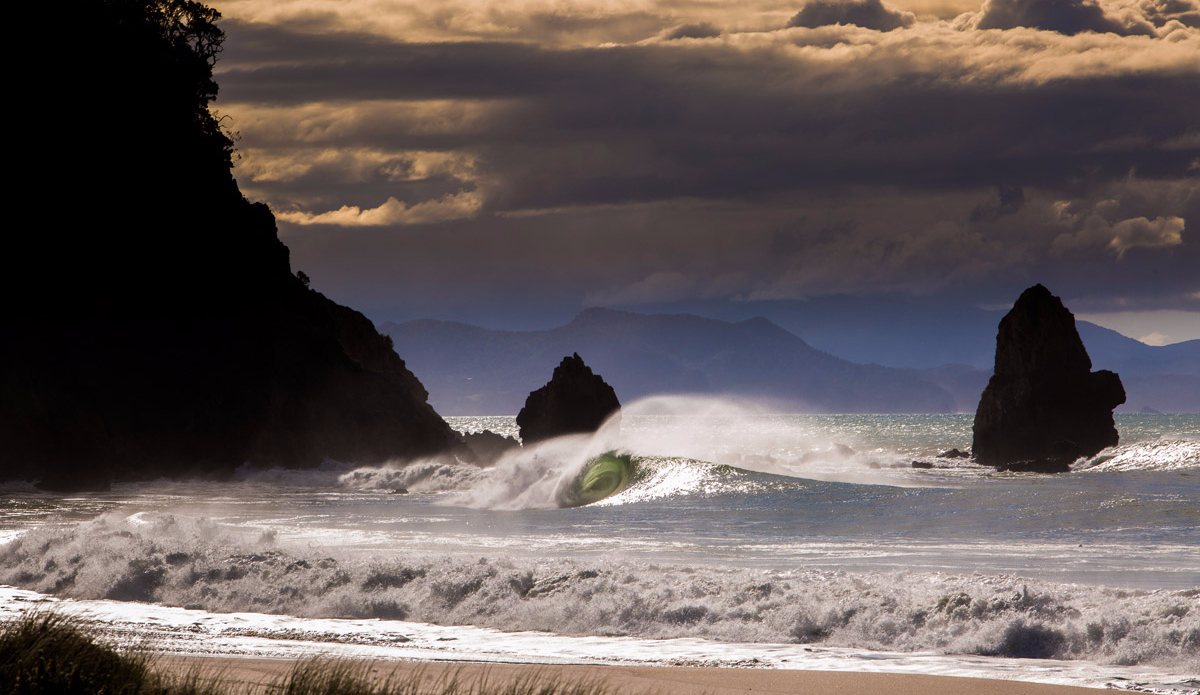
152,323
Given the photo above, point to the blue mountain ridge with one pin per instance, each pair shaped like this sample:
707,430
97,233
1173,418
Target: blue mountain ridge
479,371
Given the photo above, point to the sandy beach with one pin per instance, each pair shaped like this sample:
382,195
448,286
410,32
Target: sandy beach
634,679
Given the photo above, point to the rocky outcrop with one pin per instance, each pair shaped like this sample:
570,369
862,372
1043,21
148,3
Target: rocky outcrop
575,400
1043,407
153,325
488,447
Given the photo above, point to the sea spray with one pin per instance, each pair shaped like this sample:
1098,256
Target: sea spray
416,476
197,563
731,432
693,432
704,430
859,449
536,476
539,482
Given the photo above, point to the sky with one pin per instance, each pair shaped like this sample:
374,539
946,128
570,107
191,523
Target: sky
511,162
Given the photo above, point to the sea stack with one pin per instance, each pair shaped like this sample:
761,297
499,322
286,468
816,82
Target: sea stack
575,400
1044,407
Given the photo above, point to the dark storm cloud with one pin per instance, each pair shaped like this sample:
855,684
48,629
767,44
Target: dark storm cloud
484,175
643,123
1063,16
1009,200
870,14
800,246
1159,12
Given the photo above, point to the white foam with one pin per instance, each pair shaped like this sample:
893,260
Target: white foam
195,562
1159,455
196,632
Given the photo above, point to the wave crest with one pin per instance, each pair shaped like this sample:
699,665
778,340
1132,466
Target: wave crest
198,564
1157,455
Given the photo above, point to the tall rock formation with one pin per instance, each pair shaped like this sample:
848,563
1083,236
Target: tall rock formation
152,324
575,400
1044,407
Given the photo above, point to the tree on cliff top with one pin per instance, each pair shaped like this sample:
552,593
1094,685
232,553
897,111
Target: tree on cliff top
131,168
156,84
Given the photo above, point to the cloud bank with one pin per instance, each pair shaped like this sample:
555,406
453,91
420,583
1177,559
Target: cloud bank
634,151
869,14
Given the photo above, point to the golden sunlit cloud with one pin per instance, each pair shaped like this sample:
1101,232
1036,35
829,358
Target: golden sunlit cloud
392,212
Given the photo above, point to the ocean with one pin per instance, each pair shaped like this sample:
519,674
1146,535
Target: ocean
730,536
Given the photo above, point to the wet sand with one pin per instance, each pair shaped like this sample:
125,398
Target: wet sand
632,680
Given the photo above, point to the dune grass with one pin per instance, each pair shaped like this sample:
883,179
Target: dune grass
51,654
323,677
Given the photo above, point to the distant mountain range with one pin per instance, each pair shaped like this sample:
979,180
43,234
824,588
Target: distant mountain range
898,331
471,370
477,371
1164,379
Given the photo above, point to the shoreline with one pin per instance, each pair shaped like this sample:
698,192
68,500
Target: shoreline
623,679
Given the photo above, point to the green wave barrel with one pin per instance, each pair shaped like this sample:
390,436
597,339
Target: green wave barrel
604,476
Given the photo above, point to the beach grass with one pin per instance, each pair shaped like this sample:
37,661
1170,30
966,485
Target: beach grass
338,677
46,653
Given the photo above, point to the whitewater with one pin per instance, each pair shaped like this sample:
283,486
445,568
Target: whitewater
721,534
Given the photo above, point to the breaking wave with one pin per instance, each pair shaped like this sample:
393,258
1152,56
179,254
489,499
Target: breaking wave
420,476
660,447
199,564
679,446
608,479
1154,455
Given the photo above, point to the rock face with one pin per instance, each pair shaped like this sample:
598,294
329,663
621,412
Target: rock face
488,446
1043,407
153,326
575,400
